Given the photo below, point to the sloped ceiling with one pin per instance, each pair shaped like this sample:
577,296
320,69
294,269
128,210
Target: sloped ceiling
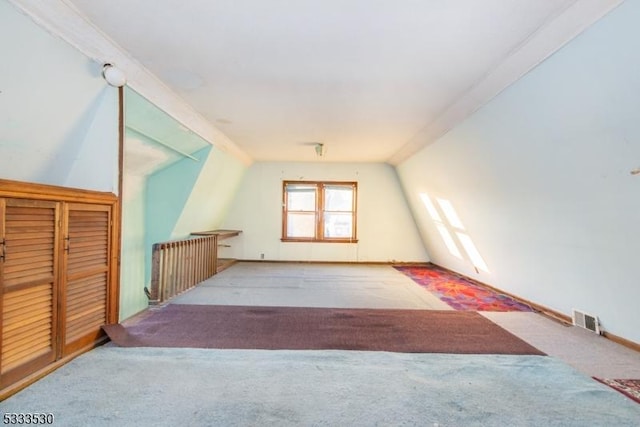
154,140
373,80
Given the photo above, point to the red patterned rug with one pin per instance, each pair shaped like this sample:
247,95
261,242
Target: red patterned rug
460,293
630,388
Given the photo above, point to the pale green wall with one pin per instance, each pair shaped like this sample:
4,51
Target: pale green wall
167,192
170,203
152,204
132,274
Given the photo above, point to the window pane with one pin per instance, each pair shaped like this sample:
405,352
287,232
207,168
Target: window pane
301,225
338,225
315,211
338,198
301,198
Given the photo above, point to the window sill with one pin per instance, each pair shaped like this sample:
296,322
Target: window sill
287,240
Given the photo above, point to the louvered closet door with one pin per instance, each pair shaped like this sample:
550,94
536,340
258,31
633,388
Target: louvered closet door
86,266
28,277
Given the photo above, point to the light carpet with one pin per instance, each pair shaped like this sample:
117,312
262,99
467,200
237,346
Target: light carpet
113,386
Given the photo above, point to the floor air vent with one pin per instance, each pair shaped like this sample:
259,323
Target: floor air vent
586,321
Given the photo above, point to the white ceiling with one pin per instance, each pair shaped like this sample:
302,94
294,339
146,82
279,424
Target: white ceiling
374,80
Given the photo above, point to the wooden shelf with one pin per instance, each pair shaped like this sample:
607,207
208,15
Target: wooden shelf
222,234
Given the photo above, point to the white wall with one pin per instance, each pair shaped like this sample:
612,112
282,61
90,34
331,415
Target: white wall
58,117
540,178
386,230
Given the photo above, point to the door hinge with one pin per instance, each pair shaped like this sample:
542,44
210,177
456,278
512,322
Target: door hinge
3,250
67,244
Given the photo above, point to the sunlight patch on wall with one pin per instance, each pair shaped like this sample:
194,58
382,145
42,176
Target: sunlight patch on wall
472,251
453,227
433,212
450,213
448,240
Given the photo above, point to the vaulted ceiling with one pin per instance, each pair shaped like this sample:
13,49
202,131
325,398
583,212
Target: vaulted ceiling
373,80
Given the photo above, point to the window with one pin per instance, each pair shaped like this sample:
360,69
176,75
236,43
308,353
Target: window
319,211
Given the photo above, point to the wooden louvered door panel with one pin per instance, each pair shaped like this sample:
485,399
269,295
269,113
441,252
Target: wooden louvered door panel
86,266
29,282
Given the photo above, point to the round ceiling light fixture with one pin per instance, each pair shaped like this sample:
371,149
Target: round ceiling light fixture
113,75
